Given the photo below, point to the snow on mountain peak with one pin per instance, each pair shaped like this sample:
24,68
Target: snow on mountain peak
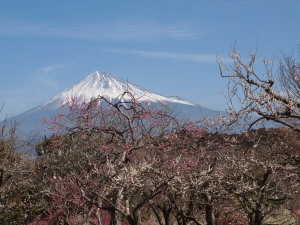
107,85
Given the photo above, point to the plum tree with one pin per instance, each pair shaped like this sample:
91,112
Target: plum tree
273,96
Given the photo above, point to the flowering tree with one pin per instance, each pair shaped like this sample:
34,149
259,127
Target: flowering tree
127,158
262,175
267,96
255,98
129,163
21,199
108,154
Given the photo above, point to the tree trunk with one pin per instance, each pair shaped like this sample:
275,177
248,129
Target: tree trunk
209,211
137,217
99,222
167,215
209,215
258,218
115,217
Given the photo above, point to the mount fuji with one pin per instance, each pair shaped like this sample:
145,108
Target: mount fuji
109,86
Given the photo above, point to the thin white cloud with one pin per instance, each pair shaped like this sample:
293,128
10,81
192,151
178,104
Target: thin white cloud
39,85
203,58
47,76
51,68
118,31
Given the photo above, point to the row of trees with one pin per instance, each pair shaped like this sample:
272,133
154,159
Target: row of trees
130,163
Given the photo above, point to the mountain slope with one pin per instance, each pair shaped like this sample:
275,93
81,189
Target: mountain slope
107,85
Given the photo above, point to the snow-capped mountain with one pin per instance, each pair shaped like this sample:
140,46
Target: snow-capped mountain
107,85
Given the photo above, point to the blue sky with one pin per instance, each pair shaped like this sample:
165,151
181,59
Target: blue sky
166,46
